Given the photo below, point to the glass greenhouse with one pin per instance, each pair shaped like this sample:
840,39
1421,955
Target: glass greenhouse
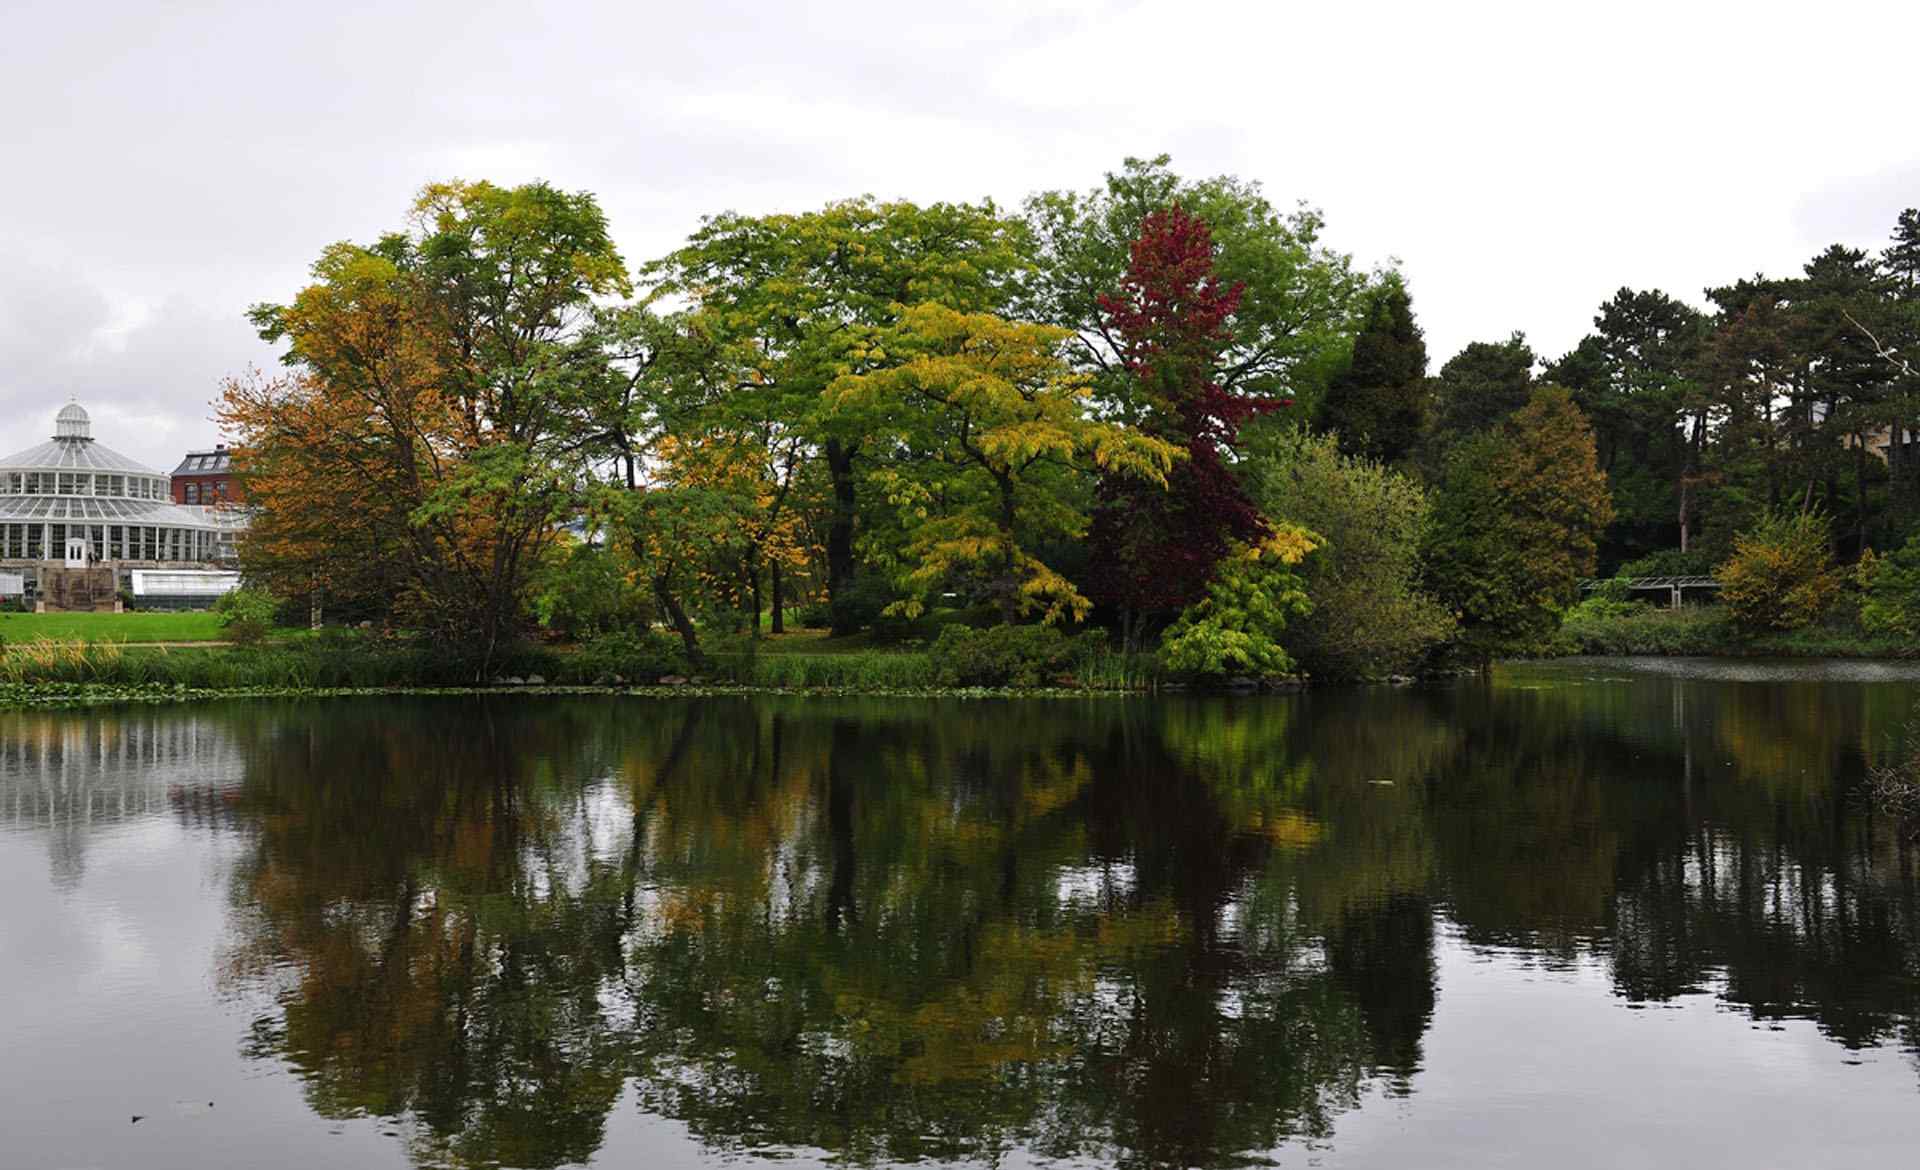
73,502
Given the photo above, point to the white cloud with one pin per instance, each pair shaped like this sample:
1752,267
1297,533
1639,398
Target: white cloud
170,165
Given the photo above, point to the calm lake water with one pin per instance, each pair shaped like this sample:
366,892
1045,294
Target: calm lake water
1595,913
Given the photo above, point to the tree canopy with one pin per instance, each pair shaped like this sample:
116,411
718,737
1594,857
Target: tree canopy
883,413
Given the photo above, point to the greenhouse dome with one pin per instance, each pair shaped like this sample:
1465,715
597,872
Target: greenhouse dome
72,502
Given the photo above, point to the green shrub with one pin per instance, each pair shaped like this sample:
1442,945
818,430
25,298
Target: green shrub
1236,628
1599,626
1781,575
246,615
629,655
1369,617
588,589
1008,656
860,601
1609,599
867,670
1893,591
1669,562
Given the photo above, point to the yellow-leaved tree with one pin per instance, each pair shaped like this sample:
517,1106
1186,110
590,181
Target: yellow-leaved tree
989,441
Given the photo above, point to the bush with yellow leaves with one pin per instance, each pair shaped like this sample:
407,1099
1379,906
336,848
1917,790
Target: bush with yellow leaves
1781,575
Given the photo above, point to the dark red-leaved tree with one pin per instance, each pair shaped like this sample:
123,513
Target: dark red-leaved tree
1155,550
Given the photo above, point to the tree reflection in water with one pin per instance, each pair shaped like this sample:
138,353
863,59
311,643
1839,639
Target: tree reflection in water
1178,932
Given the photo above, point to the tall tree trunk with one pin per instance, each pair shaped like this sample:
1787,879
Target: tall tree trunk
753,577
840,532
683,625
1010,583
1686,512
1689,473
779,601
1860,493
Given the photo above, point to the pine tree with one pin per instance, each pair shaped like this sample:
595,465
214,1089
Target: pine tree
1377,405
1901,334
1479,386
1902,257
1632,379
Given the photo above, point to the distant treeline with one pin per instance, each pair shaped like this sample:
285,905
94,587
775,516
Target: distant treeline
1160,407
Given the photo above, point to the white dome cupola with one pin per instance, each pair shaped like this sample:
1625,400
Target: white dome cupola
72,423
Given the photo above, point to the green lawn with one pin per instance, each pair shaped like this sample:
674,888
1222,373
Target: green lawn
799,641
111,627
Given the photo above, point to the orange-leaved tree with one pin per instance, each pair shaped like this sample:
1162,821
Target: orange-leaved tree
432,422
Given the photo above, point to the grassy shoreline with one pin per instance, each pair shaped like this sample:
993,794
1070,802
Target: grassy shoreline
44,696
123,628
1709,632
49,673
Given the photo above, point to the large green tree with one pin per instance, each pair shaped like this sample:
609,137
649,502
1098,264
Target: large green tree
802,299
1634,377
1377,404
438,382
1300,300
1476,388
1844,380
1369,617
992,437
1747,370
1516,524
1898,341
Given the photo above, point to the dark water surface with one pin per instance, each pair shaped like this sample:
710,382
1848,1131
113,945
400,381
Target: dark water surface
1596,913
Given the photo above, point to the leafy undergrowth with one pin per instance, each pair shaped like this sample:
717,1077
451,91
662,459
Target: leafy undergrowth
1709,631
53,695
48,671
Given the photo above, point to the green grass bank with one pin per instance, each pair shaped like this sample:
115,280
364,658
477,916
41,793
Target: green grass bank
125,628
1709,631
48,670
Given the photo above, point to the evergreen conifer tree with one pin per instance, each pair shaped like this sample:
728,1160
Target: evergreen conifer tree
1378,404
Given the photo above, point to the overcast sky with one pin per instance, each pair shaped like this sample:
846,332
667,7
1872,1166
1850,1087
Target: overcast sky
165,165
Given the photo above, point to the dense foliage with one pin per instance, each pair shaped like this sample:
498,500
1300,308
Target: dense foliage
1159,407
1893,591
1237,627
1515,525
1156,546
246,615
1370,618
1781,575
1377,405
426,443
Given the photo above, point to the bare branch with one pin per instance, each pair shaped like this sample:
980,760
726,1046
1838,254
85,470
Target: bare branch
1904,365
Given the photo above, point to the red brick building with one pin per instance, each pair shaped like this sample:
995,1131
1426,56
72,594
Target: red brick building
205,478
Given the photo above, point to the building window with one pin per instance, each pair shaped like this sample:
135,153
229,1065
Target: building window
192,495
